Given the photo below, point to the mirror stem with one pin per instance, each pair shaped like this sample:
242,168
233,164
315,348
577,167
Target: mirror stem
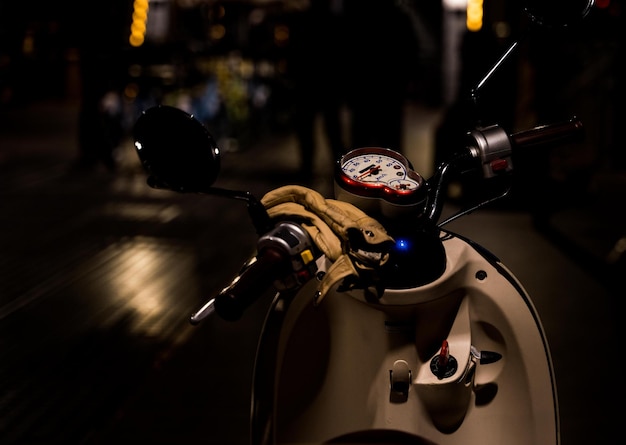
256,210
493,69
503,58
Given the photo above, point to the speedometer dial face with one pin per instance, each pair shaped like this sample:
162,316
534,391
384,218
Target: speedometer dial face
379,169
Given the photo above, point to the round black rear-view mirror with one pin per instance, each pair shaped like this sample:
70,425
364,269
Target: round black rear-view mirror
176,150
558,13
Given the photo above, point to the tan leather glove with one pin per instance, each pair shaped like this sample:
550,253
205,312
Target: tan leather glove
354,242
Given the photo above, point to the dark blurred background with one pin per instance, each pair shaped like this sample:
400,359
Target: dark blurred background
236,66
99,273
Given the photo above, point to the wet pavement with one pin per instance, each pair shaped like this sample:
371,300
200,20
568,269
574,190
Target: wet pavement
99,274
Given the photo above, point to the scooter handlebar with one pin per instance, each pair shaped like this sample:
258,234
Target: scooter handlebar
286,257
557,133
493,146
270,264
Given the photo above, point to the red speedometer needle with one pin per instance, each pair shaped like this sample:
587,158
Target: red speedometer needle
369,172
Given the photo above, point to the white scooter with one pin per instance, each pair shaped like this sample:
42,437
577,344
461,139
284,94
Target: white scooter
385,327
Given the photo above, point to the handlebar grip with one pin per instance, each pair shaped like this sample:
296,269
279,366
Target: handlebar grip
570,131
270,264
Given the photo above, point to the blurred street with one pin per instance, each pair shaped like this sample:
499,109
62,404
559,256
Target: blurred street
99,274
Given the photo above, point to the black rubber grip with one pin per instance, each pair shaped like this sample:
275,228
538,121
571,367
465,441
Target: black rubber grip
559,133
271,264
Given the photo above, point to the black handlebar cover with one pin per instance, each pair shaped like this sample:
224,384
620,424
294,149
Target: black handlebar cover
271,263
558,133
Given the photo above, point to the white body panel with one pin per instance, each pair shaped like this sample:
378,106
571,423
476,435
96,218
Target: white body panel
334,364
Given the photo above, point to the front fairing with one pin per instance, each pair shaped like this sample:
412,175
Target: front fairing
326,372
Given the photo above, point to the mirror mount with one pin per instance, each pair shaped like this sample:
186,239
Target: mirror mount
257,211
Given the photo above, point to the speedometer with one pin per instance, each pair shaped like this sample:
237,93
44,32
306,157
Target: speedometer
374,172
